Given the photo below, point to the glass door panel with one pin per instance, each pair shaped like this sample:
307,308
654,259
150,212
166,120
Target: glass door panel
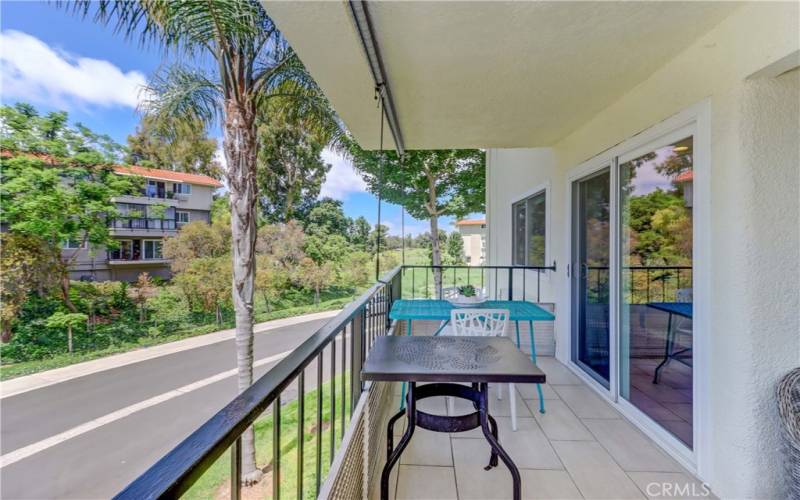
590,274
656,199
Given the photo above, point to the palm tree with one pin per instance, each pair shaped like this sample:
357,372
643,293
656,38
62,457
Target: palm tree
234,69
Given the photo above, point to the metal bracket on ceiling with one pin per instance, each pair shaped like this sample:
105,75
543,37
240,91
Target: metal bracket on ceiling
366,33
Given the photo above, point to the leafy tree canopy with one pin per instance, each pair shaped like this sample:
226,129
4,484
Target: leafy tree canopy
453,178
24,130
328,218
291,169
174,144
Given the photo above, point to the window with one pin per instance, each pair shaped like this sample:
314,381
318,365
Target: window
72,244
181,188
181,217
152,249
124,252
528,216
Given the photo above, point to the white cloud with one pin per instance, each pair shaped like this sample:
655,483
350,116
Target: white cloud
33,71
342,178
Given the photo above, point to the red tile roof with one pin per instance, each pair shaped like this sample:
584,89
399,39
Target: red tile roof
471,222
151,173
687,176
167,175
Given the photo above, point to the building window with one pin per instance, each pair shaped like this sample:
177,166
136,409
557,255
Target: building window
528,218
72,244
181,217
181,188
124,252
152,249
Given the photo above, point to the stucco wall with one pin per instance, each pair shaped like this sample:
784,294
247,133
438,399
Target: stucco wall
200,199
754,332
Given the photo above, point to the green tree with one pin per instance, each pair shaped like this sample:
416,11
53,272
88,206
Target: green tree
26,265
271,279
285,243
357,267
315,276
359,233
327,217
195,240
25,131
207,281
58,188
455,249
140,292
60,319
427,183
331,248
291,169
181,145
378,237
221,210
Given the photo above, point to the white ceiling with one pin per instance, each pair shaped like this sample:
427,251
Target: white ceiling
490,74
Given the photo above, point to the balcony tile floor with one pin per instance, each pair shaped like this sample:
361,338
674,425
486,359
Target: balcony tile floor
580,448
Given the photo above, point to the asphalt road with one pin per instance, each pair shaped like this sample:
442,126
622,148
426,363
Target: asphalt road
100,462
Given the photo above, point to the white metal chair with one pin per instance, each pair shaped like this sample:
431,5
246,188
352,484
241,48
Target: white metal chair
488,323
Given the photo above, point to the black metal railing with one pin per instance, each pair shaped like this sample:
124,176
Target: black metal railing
350,335
496,282
156,193
641,284
143,223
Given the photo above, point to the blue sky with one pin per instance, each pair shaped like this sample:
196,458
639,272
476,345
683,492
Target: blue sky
57,61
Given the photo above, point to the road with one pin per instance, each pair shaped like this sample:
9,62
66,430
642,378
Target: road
54,443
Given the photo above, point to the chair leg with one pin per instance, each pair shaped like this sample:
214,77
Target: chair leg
512,399
499,391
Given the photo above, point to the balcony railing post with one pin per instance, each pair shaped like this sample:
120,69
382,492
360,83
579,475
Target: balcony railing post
510,283
357,346
236,469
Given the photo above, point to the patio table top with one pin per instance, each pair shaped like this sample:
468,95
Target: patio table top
433,309
449,359
680,308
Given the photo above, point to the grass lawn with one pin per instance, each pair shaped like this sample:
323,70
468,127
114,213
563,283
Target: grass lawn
9,371
215,482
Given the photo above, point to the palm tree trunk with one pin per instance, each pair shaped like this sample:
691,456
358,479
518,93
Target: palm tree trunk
239,143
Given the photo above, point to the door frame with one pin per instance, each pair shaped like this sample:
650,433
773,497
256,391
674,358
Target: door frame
594,170
697,119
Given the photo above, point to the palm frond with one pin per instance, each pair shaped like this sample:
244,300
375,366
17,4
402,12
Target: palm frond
183,94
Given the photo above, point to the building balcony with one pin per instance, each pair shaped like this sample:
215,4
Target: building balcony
142,225
138,262
152,198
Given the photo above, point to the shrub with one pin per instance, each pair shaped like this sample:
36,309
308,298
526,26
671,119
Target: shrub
169,311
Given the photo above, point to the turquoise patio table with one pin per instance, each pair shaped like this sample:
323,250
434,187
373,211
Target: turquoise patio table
439,310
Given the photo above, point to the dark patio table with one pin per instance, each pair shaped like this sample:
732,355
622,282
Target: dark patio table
672,308
447,362
439,310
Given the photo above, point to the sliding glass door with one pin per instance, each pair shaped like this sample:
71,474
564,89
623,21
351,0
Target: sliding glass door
632,280
590,274
656,265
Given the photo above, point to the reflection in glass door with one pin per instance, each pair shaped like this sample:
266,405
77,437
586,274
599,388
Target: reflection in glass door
656,223
590,274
